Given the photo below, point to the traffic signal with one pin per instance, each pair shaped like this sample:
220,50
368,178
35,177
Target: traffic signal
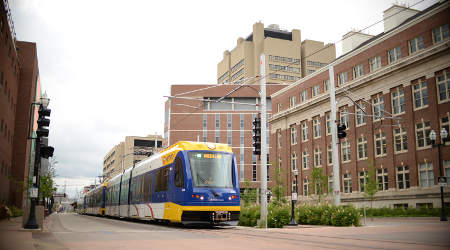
43,122
341,130
46,151
257,136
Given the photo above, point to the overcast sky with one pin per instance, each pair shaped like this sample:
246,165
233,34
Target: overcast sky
106,65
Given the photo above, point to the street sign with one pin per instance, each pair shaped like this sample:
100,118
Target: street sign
442,181
33,192
294,196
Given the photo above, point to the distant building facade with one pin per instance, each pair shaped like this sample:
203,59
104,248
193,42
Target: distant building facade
401,79
287,58
127,153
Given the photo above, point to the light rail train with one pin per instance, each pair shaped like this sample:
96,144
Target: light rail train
189,182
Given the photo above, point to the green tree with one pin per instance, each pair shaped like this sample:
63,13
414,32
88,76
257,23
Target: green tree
370,186
279,190
319,182
249,195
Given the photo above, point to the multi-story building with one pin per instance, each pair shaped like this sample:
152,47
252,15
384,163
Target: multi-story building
19,88
194,116
400,79
127,153
287,58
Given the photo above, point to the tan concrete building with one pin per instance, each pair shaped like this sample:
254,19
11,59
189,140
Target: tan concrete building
286,56
401,79
127,153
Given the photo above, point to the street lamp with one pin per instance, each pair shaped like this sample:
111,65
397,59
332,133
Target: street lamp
433,136
42,122
293,222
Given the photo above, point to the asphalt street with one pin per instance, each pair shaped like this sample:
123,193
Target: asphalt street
73,231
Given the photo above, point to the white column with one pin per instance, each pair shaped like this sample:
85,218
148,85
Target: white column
263,143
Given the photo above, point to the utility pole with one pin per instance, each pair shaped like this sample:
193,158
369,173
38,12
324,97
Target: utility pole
263,143
335,140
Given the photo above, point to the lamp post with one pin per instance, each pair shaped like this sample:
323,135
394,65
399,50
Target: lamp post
433,136
31,223
293,222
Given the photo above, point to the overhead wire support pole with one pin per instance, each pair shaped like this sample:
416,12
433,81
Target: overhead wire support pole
263,144
335,140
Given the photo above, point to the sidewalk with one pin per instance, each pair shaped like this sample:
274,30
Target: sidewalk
13,236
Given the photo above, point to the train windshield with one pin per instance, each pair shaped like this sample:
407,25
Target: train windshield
211,169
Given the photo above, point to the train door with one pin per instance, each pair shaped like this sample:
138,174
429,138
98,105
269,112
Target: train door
178,186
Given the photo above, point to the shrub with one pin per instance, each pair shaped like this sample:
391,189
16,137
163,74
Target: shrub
249,215
278,216
400,212
328,215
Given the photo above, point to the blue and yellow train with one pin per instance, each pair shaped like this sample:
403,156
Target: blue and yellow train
189,182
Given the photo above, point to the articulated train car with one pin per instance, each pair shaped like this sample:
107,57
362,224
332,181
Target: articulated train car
94,201
189,182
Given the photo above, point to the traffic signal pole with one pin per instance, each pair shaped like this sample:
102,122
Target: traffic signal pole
263,161
335,140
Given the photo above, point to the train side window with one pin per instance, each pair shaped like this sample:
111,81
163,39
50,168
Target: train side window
148,187
179,176
162,179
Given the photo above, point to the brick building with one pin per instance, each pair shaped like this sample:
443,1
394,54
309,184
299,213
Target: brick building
228,122
401,78
19,87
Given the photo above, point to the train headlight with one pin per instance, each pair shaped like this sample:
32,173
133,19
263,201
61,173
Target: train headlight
201,197
229,198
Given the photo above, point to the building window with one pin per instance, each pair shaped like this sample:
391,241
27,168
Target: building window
205,129
403,177
398,101
294,160
394,54
330,183
304,96
440,33
363,179
304,131
443,86
345,118
375,63
445,124
315,90
426,176
358,71
305,187
278,107
316,128
415,44
360,115
382,179
305,160
420,95
293,135
229,127
328,123
329,155
279,139
423,134
378,107
447,170
347,180
345,151
342,78
292,101
400,140
326,85
362,148
317,157
217,128
380,144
